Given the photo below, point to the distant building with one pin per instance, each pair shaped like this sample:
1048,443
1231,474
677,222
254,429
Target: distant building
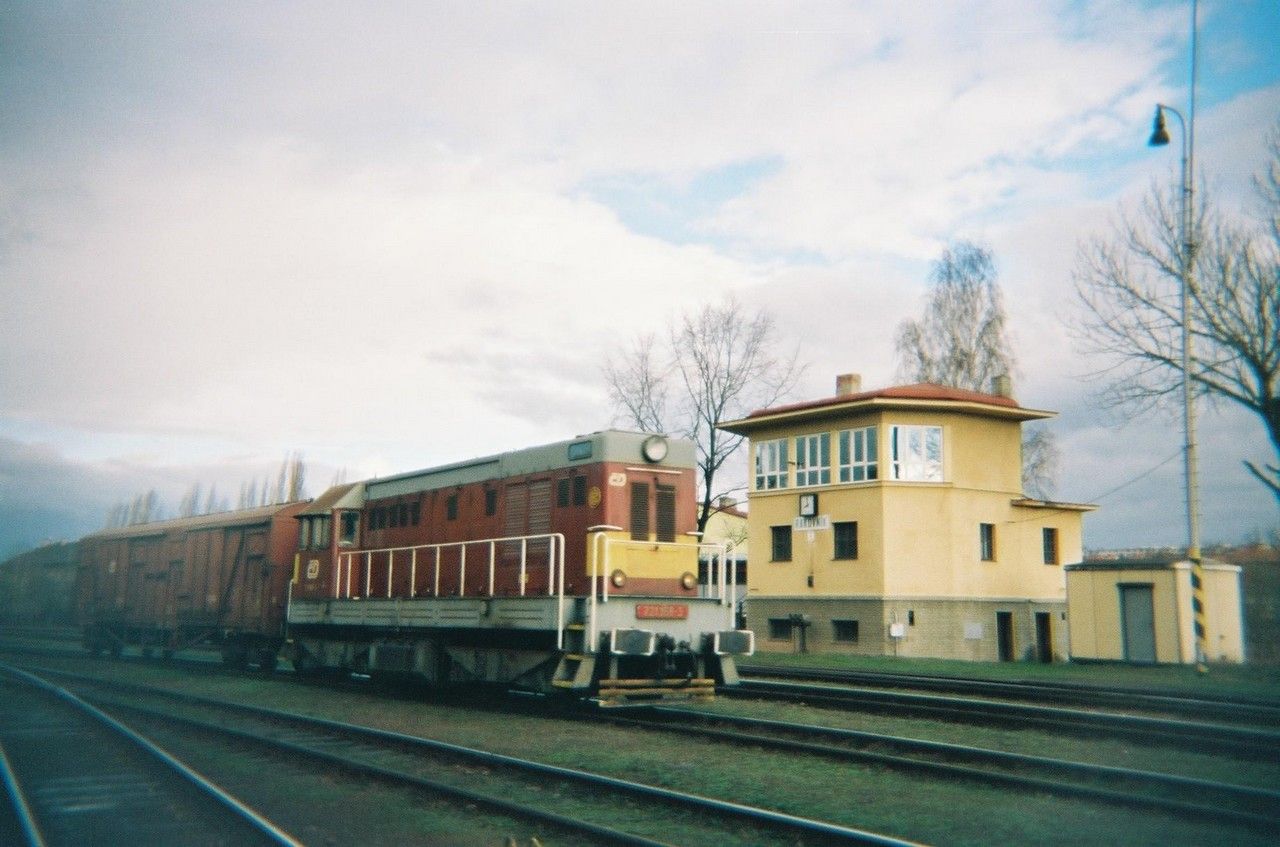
37,587
728,526
893,522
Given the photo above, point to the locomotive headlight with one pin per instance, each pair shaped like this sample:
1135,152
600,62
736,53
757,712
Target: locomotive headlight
688,581
618,578
654,449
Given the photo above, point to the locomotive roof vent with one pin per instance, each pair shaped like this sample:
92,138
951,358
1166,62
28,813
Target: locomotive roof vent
654,449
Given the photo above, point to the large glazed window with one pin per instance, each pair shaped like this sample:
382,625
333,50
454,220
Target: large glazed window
771,464
916,452
813,459
858,455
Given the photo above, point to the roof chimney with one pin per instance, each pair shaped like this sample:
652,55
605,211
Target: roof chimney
847,384
1002,386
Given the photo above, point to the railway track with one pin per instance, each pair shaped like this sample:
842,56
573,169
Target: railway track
1175,794
1243,742
400,759
73,776
1197,706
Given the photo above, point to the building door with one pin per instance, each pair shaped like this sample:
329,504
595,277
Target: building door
1044,637
1004,635
1138,623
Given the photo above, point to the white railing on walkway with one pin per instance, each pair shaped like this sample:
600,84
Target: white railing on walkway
344,565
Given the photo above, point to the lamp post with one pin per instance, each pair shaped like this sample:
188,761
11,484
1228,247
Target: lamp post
1159,138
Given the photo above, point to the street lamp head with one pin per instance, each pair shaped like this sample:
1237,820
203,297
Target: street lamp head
1159,135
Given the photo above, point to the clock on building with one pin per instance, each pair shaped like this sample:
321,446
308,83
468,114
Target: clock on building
808,505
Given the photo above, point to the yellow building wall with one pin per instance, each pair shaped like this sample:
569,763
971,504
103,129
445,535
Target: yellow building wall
916,538
1224,624
1096,629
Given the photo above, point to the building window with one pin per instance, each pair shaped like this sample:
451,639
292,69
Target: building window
491,502
451,507
781,536
916,452
640,511
771,464
1050,545
987,541
858,454
579,491
350,525
404,514
415,512
320,533
562,492
846,539
813,459
780,629
845,631
393,515
666,508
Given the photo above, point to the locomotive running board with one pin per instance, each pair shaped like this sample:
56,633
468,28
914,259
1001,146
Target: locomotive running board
643,692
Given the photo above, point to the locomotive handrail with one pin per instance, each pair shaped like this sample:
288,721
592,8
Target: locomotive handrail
555,565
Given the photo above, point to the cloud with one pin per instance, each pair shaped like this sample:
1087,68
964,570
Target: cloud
405,237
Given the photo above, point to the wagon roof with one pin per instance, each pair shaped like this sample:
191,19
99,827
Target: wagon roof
240,517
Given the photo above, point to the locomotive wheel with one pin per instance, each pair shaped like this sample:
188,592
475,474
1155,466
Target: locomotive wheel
235,656
267,659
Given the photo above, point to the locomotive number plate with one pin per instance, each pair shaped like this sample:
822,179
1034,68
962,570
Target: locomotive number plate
662,611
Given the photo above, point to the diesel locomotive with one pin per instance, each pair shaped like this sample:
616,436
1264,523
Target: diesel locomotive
566,567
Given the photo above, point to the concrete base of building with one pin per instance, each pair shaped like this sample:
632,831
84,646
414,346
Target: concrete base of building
930,627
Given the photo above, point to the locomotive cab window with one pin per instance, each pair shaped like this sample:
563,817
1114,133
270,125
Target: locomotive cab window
350,522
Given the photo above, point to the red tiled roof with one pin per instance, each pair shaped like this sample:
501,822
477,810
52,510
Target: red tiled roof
918,391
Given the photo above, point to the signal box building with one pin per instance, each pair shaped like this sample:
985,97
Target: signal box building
893,522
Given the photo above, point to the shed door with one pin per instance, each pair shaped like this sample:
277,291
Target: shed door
1138,621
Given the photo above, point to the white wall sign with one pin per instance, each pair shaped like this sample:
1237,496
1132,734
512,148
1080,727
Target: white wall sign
820,522
973,632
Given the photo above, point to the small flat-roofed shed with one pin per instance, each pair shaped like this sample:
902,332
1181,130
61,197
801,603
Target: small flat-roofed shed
1139,610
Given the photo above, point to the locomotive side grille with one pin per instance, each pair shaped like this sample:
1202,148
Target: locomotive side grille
640,511
666,505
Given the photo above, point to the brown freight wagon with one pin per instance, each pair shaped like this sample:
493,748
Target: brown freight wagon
219,580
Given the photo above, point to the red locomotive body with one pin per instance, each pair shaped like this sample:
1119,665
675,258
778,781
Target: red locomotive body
557,566
220,579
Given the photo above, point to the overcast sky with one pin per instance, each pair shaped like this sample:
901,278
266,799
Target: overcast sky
394,235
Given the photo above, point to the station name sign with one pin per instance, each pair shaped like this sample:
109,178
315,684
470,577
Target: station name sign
818,522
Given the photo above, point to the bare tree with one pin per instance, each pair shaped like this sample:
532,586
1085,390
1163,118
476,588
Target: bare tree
718,364
961,341
1130,286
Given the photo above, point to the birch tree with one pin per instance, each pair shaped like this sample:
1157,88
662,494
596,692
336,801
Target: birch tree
715,364
962,341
